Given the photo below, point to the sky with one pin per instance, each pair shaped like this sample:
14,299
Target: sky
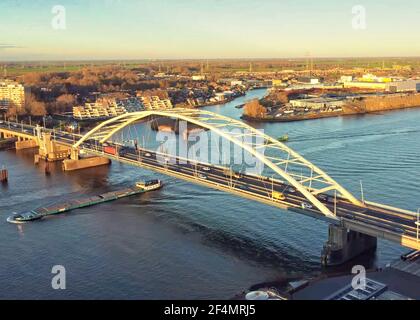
206,29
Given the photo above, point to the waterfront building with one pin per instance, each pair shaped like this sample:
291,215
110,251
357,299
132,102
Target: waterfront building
220,96
11,94
97,110
155,103
107,108
132,104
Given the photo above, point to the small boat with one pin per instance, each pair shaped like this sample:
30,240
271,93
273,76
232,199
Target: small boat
284,138
149,185
240,106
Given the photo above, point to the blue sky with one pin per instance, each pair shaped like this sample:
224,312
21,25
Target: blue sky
160,29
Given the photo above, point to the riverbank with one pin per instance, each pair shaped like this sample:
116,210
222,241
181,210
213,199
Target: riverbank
294,118
399,280
221,102
377,103
354,106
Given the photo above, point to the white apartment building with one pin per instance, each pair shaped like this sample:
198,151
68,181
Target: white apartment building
11,93
97,110
107,108
155,103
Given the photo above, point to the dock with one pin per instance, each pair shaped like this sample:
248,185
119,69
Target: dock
74,204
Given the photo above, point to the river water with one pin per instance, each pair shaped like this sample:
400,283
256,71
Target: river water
190,242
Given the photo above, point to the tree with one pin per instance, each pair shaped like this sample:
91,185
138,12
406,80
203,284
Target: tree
14,110
11,111
34,107
65,102
33,78
254,109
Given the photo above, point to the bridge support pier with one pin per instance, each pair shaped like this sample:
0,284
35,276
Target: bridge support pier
77,163
74,154
85,163
343,245
26,144
49,150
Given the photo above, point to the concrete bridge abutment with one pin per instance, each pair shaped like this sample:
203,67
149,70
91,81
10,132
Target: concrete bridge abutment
343,245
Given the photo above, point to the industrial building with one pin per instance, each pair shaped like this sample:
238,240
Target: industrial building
317,103
392,86
372,78
365,85
403,86
367,81
389,84
11,94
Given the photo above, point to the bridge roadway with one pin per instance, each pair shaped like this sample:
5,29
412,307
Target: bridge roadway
375,219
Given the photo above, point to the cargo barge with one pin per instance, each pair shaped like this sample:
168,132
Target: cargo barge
58,208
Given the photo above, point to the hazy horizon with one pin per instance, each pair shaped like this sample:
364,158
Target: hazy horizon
251,59
204,29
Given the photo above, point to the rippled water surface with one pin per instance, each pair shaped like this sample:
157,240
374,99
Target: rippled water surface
186,241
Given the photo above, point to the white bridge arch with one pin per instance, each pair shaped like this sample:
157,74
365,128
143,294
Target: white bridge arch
281,159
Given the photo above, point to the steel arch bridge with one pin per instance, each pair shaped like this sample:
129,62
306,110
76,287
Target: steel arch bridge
282,160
